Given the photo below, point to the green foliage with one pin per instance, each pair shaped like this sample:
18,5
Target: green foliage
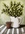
15,9
5,5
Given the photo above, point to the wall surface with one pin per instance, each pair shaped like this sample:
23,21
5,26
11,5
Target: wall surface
7,2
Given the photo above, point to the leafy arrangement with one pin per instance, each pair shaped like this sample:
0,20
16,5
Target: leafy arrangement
14,10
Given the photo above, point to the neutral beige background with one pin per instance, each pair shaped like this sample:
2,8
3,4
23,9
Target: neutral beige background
7,2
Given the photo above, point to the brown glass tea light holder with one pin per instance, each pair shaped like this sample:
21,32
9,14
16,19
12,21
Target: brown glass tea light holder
8,24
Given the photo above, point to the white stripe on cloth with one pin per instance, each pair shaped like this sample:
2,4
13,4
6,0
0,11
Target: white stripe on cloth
8,31
13,31
22,30
1,26
3,29
17,30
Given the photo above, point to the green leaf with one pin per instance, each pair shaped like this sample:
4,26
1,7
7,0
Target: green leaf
5,5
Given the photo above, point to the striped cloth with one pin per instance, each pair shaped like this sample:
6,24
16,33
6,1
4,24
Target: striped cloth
4,30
